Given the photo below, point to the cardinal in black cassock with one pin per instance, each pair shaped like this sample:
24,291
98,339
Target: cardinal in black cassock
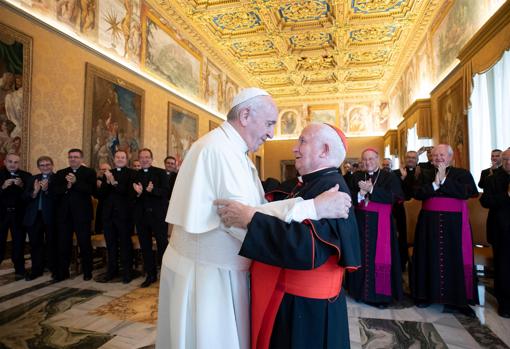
379,280
442,269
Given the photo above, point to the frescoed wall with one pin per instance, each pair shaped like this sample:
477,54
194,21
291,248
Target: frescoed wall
436,56
134,32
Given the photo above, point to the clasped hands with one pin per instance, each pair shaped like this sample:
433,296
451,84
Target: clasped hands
365,187
441,174
331,204
71,179
138,187
40,185
16,181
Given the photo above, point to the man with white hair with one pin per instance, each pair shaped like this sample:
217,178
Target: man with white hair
204,291
442,268
379,281
298,267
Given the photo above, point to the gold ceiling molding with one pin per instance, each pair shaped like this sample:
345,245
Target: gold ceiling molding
336,48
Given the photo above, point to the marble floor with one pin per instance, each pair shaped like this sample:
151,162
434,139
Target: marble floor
81,314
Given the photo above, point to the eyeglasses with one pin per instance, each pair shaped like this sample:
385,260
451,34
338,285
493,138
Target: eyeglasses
45,165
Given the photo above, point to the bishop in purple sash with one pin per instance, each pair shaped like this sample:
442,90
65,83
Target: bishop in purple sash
379,280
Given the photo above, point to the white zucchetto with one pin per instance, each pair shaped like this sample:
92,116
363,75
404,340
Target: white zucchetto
247,94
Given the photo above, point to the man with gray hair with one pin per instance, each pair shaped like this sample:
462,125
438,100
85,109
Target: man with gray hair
204,292
442,268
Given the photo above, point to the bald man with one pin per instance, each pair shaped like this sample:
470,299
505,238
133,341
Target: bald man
204,291
379,281
442,268
297,272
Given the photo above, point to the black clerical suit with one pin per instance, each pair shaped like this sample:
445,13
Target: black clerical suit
399,212
482,183
172,176
438,269
98,216
40,222
495,197
303,322
117,218
150,213
12,209
362,284
74,214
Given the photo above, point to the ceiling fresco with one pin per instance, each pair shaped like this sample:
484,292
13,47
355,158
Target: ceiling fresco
300,49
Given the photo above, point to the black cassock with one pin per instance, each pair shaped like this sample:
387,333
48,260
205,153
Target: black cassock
362,283
495,198
437,269
305,322
399,212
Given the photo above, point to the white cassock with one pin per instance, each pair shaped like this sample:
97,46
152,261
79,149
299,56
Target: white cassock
204,287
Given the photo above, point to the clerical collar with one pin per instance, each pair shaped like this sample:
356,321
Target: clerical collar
13,173
314,175
119,169
373,172
168,173
145,169
44,175
234,136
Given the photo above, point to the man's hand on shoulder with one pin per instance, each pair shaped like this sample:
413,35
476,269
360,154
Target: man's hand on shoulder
333,204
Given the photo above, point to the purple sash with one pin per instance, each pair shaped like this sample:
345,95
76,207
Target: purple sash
456,205
383,246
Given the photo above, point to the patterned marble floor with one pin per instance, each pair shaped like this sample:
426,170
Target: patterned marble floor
86,314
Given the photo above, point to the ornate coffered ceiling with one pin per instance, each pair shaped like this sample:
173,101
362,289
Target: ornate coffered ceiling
307,49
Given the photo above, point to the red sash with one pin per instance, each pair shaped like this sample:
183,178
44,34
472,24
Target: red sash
269,284
456,205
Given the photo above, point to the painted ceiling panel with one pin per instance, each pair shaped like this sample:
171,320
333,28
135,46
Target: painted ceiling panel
300,48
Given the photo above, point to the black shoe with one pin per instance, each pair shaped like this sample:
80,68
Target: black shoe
148,281
32,276
62,276
422,305
455,309
87,277
127,277
18,277
105,278
504,313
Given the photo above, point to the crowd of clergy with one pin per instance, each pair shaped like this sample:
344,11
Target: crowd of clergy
51,206
441,263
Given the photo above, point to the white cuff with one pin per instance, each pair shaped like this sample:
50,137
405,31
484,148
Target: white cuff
302,210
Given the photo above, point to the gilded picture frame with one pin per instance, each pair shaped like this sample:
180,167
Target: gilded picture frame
213,125
113,117
15,70
183,127
454,124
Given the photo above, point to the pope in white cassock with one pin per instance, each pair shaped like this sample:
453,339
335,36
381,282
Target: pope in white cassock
204,289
